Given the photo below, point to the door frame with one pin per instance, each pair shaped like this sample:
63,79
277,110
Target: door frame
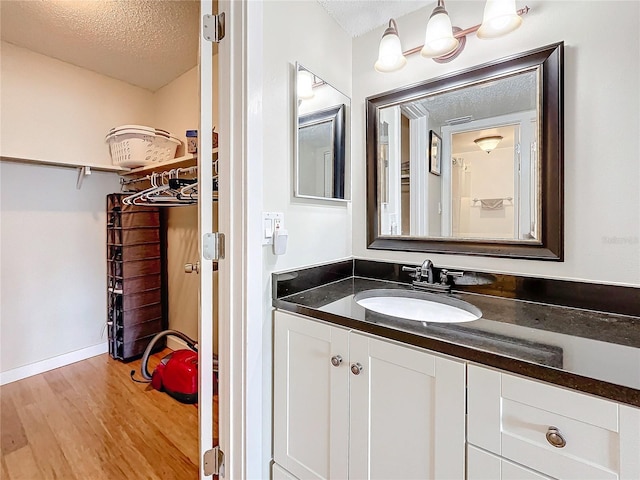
241,426
205,225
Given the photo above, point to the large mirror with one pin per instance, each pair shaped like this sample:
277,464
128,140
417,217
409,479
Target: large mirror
470,163
322,162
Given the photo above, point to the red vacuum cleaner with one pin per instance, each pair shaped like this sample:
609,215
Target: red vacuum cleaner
177,373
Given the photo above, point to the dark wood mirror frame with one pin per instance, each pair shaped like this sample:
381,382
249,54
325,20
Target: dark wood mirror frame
551,245
335,115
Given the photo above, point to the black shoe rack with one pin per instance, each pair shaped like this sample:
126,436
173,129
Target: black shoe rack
135,278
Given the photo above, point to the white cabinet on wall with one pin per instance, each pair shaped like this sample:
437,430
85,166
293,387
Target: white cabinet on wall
347,405
559,433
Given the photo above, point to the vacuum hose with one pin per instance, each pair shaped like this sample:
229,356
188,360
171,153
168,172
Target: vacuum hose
144,369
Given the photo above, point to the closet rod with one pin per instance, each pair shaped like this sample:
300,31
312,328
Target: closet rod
476,200
146,178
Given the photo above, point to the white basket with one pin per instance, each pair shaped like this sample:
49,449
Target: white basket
138,147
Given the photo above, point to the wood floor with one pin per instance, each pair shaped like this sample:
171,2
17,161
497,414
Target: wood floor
90,421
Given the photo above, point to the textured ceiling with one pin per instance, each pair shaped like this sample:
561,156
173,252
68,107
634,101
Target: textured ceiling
147,43
503,96
517,93
358,17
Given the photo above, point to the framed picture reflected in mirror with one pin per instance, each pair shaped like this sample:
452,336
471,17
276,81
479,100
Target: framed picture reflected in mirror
435,152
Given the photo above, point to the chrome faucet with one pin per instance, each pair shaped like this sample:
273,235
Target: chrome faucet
423,273
423,277
426,271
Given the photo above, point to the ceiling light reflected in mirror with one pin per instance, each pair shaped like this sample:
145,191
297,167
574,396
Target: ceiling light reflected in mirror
488,143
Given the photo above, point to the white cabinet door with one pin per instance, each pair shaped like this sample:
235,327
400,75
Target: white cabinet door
485,466
407,412
279,473
311,418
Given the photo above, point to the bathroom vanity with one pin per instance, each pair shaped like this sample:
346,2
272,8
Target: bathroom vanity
531,390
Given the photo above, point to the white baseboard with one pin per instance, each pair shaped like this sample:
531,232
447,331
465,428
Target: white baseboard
175,343
52,363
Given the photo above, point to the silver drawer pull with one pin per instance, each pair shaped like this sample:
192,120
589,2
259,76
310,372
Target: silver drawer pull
356,368
555,438
336,360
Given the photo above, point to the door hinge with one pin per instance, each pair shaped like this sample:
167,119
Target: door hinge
213,246
213,27
214,462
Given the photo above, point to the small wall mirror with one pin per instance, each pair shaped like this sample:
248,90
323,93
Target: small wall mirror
470,163
322,161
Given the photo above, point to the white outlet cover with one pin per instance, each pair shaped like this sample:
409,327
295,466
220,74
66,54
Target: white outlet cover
269,220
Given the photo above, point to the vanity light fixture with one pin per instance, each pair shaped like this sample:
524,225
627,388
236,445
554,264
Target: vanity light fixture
438,38
488,143
390,57
306,82
305,85
500,17
444,42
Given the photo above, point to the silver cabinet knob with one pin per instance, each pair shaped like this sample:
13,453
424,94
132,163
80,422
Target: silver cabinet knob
356,368
192,267
555,438
336,360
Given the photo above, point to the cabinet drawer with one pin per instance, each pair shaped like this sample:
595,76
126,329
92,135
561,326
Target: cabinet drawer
511,416
482,465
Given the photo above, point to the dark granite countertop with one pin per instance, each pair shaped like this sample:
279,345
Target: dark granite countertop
587,350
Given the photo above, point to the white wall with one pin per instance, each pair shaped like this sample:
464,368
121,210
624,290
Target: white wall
602,129
487,177
319,231
177,109
52,111
176,106
52,262
55,111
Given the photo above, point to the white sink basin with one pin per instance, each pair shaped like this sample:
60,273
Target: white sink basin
418,306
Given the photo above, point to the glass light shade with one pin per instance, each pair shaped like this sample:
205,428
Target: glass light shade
500,17
390,57
488,143
305,85
438,38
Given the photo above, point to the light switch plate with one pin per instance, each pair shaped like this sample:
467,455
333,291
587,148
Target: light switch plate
269,222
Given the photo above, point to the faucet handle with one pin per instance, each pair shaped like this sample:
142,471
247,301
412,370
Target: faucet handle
445,274
413,271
